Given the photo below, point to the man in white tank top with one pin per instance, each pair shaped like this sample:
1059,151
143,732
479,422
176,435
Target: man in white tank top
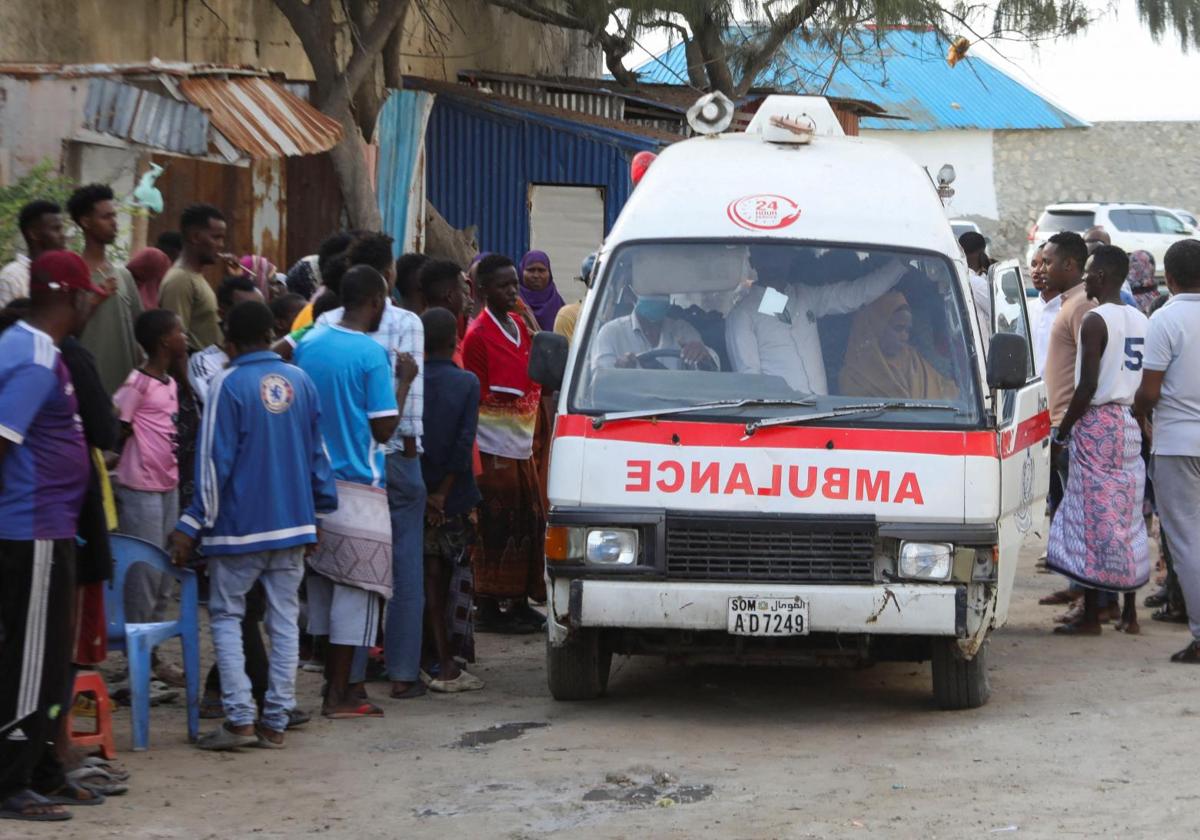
1098,537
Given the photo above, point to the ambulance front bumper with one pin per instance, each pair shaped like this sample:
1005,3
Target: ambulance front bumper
886,609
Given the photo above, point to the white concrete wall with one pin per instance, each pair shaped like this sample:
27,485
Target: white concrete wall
971,155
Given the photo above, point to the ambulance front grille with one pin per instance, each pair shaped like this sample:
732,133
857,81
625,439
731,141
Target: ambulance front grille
703,549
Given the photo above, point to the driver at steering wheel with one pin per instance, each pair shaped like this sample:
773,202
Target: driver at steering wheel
674,343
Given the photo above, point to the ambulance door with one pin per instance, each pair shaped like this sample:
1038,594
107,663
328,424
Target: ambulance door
1023,422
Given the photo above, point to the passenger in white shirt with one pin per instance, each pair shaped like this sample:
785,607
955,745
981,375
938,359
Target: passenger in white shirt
1171,389
647,328
42,229
1043,309
974,247
787,344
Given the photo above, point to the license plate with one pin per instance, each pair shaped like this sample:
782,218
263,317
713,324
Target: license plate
768,617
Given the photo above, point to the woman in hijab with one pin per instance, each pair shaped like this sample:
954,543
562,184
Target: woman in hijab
148,268
538,290
261,271
1142,282
880,361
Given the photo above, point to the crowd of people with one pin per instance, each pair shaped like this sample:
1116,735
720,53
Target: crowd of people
1122,370
350,454
353,454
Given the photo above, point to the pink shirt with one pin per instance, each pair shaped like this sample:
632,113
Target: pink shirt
151,407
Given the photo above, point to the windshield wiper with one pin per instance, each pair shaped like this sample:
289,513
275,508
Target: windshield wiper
598,422
845,411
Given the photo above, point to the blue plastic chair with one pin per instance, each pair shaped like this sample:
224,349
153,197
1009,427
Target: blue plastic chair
138,640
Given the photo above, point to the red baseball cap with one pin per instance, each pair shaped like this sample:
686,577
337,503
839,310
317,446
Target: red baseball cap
61,270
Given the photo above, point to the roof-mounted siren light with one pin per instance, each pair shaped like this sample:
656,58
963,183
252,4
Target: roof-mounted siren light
712,113
945,178
639,165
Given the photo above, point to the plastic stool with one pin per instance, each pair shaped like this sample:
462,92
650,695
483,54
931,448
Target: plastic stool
90,682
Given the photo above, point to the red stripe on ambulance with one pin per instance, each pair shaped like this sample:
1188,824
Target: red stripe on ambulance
918,442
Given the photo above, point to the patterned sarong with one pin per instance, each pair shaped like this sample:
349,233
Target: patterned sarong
508,560
356,540
1098,536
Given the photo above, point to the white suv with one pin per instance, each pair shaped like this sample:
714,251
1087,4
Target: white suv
1133,227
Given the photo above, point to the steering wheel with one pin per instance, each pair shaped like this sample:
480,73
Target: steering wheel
650,359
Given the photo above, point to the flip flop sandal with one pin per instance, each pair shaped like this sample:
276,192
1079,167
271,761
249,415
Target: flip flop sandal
74,794
223,739
1190,655
16,806
463,682
1158,599
297,718
114,769
104,788
366,710
415,690
1075,628
1169,616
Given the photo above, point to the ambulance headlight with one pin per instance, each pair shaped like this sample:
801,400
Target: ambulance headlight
925,561
612,547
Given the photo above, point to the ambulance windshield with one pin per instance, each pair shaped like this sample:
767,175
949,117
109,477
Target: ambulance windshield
679,324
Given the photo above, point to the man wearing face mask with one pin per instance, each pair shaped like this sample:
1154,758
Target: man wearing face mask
648,328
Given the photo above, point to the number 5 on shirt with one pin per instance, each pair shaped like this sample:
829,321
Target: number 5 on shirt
1133,353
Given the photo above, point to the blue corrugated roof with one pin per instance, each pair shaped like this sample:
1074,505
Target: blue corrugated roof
906,73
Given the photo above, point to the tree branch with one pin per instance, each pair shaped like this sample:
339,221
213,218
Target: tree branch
538,13
390,15
758,59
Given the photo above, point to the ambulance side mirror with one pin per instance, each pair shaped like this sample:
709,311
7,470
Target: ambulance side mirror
548,361
1007,361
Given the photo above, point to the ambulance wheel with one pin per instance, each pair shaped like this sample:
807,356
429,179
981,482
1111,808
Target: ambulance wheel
578,668
959,683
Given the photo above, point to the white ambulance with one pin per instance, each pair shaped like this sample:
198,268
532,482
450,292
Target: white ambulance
783,435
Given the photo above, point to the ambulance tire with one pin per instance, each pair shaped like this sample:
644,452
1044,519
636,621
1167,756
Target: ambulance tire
959,683
578,668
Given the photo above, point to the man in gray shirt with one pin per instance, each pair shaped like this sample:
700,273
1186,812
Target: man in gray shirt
1171,390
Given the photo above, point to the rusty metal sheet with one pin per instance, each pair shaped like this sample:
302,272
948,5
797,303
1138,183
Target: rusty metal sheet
261,118
145,118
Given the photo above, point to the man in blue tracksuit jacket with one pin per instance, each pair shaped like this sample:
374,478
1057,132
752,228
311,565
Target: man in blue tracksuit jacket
262,479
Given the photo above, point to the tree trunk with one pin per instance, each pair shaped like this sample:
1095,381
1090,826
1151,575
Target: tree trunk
354,178
445,242
706,34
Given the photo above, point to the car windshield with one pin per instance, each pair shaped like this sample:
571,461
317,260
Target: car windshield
776,330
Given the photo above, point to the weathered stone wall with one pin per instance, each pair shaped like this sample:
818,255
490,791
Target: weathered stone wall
459,35
1155,162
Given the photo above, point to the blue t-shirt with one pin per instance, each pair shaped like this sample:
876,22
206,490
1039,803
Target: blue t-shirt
45,472
354,380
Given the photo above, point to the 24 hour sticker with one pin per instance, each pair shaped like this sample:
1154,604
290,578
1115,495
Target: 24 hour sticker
763,212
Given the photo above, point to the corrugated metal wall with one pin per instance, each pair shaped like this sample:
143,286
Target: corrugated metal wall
481,161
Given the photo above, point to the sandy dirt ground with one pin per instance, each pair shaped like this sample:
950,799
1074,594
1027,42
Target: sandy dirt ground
1083,738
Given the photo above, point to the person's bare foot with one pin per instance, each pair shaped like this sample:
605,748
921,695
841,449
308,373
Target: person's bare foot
1110,613
1130,627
